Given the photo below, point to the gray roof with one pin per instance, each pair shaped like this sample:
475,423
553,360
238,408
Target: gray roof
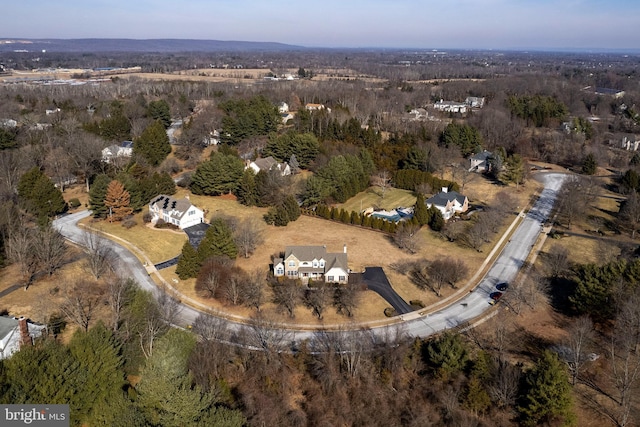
266,163
306,253
441,199
484,155
337,260
7,324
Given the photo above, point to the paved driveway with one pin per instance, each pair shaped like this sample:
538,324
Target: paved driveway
376,280
195,233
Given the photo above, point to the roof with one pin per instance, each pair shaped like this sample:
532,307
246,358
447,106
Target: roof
306,253
173,207
441,199
484,155
266,163
336,260
127,144
7,325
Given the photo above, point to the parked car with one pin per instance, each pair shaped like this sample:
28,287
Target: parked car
495,297
503,286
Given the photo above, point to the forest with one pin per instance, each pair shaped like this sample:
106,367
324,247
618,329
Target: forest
109,351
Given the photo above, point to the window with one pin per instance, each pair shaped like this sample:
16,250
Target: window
292,263
315,264
280,271
342,278
329,278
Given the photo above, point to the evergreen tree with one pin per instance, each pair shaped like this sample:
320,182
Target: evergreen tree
39,195
514,170
153,145
420,211
117,201
220,175
218,240
97,194
159,110
547,396
98,354
291,207
436,220
188,263
247,190
447,354
589,164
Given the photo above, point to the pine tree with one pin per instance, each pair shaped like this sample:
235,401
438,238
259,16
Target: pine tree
218,240
589,164
39,195
117,201
97,195
247,190
436,222
548,394
420,211
153,145
188,264
291,207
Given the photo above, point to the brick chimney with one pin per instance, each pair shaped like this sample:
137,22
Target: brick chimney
25,338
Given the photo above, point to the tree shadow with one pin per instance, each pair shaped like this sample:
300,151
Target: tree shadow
560,289
529,344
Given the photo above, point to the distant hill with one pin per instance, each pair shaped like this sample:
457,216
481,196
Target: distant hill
135,45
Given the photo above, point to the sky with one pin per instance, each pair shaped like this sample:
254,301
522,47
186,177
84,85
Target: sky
462,24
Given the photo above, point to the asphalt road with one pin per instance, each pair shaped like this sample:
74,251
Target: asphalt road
460,312
377,281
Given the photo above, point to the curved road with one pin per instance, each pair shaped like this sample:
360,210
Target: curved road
504,269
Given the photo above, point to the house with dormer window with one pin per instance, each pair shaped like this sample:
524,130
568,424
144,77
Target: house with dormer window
312,263
178,212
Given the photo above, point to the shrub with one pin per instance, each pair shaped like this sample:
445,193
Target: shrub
129,223
416,303
74,203
146,217
390,312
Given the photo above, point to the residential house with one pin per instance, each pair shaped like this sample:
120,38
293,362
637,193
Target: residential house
480,162
16,333
312,262
316,107
269,163
448,203
50,111
212,139
8,123
283,107
286,117
450,106
474,102
178,212
125,149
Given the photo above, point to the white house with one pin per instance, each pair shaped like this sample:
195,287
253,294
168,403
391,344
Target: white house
450,106
269,163
178,212
312,262
8,123
15,333
283,107
474,102
448,203
117,151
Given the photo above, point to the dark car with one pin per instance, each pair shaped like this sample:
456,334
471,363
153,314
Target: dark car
502,286
495,297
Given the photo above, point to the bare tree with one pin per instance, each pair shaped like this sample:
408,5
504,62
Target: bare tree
80,304
382,180
267,335
577,342
286,296
21,250
168,307
406,237
215,272
347,298
505,382
248,236
51,249
99,255
630,213
558,260
253,292
317,298
119,292
234,288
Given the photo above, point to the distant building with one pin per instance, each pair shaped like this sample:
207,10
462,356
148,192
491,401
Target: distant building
125,149
269,163
480,162
450,106
474,102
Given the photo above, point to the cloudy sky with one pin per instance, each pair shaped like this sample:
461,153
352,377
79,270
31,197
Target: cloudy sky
472,24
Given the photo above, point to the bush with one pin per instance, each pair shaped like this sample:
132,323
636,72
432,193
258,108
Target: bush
146,217
129,223
390,312
416,303
74,203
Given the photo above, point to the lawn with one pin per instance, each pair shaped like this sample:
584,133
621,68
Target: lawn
372,197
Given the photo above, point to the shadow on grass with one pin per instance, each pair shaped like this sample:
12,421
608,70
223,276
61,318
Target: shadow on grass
560,289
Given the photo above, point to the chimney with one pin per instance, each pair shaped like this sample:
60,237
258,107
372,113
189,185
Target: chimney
445,189
25,338
344,249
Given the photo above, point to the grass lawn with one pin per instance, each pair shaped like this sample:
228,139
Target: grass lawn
371,197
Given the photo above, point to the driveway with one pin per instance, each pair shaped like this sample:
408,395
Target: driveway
195,233
376,280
